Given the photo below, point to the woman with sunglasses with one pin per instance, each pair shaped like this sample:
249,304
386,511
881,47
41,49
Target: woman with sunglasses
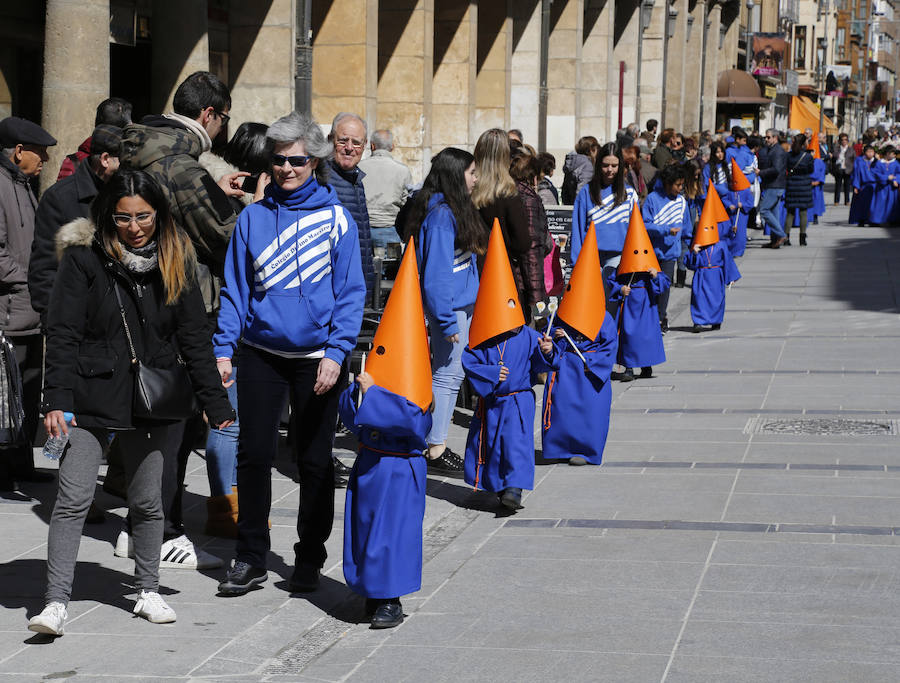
129,265
292,307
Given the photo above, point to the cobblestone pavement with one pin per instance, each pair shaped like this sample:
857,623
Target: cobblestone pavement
744,527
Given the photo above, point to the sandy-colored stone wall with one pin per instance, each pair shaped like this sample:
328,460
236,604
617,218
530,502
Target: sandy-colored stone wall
453,84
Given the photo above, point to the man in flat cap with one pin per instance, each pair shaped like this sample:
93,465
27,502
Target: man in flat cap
23,151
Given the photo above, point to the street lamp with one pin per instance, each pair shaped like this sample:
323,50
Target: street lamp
748,48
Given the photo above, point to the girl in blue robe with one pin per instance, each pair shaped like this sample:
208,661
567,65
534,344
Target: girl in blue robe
713,270
887,175
500,446
818,191
720,172
640,337
736,238
385,502
862,180
577,398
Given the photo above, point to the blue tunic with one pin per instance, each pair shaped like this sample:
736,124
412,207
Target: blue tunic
610,219
500,447
885,199
736,239
818,191
640,339
577,399
385,495
661,213
863,180
713,270
720,182
746,161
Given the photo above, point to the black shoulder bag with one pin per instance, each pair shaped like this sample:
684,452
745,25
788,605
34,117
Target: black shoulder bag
159,393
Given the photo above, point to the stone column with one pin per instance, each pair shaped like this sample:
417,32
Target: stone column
525,68
406,63
261,61
694,60
652,53
564,76
676,70
492,82
711,68
76,74
180,31
345,59
453,85
627,32
599,71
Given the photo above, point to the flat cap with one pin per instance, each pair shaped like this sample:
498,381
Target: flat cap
15,131
106,138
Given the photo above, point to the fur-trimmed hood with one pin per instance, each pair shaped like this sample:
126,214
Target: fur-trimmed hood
78,233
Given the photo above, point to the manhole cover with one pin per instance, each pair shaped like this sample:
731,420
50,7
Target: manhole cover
835,425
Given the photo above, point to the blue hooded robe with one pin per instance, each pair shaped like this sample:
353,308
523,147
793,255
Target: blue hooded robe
818,191
713,270
885,200
863,180
640,338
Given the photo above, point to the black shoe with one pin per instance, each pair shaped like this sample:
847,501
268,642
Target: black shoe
305,578
340,468
511,498
664,325
696,329
449,464
646,373
627,376
241,578
717,326
803,239
787,242
388,614
339,481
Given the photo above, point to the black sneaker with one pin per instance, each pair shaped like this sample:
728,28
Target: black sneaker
449,464
388,614
305,578
511,498
340,468
241,578
664,325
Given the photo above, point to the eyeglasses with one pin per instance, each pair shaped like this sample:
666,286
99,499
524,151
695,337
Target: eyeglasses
225,118
144,220
350,142
297,161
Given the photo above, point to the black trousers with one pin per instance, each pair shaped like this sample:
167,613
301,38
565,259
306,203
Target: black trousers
668,267
840,177
29,350
264,383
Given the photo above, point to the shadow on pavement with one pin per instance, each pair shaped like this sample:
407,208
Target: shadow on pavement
465,497
867,271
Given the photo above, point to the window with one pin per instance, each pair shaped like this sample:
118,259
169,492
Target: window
839,45
800,48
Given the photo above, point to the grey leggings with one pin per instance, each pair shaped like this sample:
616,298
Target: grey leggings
142,451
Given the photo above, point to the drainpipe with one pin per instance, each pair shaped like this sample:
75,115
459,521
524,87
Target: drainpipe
544,59
303,56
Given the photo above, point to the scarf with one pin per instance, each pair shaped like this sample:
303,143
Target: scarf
142,259
194,127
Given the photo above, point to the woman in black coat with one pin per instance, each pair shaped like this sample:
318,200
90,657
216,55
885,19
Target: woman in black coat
798,195
132,252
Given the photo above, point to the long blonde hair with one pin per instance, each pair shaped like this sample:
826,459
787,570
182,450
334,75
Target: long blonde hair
492,165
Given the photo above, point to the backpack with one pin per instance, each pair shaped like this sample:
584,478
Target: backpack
569,188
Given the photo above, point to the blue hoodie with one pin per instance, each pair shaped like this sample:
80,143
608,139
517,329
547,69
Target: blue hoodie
293,279
662,213
449,275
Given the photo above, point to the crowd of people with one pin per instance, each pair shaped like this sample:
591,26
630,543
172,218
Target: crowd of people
176,282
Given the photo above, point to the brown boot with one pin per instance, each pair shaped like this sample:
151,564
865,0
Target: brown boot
221,516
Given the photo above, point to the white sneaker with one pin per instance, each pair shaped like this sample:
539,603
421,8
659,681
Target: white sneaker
51,620
181,553
124,545
153,608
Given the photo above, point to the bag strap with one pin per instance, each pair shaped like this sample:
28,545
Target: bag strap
134,359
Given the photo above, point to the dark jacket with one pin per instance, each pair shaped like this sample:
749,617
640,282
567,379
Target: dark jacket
578,169
169,151
662,156
849,160
352,196
531,263
798,194
62,203
772,164
88,369
17,206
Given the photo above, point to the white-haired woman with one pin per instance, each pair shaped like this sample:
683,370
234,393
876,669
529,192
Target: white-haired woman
292,307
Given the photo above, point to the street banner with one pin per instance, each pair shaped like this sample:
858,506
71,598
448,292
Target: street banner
769,51
837,79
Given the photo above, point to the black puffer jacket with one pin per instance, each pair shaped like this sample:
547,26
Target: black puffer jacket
352,196
88,361
798,194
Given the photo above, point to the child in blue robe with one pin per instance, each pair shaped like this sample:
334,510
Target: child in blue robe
714,269
887,175
640,337
720,172
736,238
577,398
818,192
862,179
500,446
385,502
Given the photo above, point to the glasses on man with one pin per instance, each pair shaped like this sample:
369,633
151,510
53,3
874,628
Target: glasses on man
350,142
223,117
144,220
295,161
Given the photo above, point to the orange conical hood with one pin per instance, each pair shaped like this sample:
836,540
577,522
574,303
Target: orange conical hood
583,306
497,308
400,361
738,179
814,146
721,213
707,231
637,252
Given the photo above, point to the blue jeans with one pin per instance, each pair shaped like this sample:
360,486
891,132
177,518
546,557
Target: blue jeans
446,373
221,449
381,237
769,210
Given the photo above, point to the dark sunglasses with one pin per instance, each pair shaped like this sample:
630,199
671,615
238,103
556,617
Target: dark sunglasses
296,162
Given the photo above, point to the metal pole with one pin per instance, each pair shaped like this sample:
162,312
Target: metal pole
303,56
621,91
544,65
822,74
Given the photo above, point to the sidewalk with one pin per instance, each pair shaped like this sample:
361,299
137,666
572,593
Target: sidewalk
743,527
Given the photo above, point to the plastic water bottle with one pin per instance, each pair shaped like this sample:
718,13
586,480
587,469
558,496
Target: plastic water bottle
55,445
